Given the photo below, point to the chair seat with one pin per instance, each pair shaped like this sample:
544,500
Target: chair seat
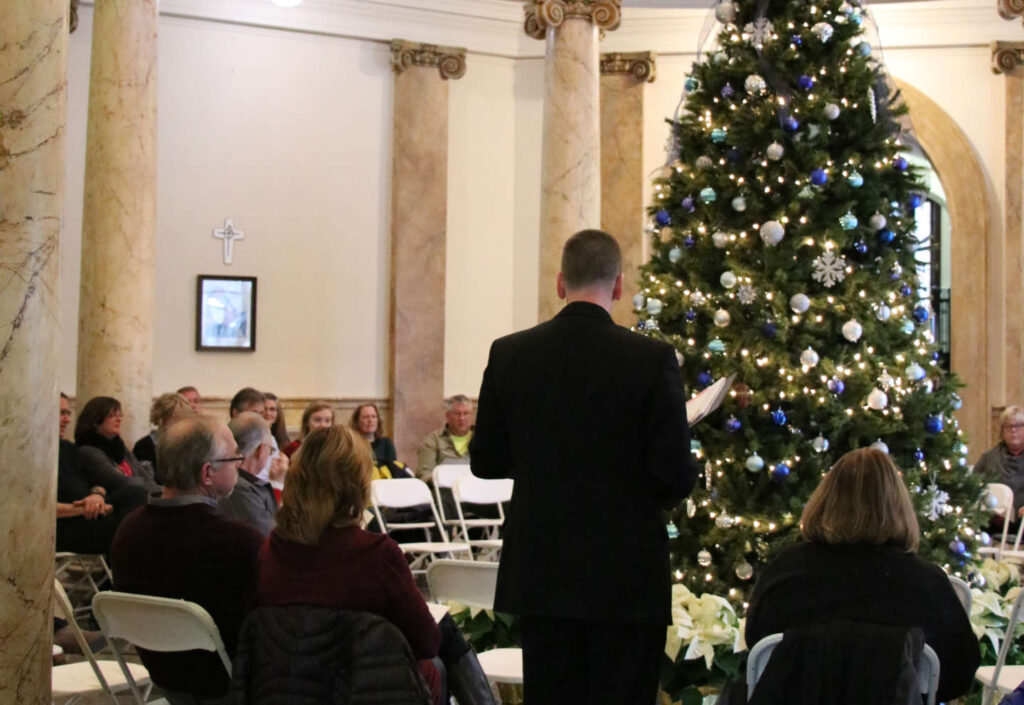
432,547
1009,678
393,526
486,543
75,678
502,665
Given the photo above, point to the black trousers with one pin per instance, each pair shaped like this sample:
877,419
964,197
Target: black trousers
590,663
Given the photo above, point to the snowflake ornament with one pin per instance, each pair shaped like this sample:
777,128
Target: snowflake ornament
886,381
938,502
698,298
759,31
873,104
746,294
829,269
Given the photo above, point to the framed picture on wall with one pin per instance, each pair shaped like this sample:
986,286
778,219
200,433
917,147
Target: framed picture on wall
225,313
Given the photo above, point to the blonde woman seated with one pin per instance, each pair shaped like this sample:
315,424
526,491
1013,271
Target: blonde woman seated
167,409
318,555
859,563
319,414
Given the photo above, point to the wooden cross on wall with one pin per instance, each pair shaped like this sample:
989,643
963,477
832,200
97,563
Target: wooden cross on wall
228,234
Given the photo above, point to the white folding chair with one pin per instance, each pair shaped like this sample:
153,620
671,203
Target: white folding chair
156,624
1003,496
963,593
927,667
474,584
79,573
475,490
73,681
1002,678
411,492
443,477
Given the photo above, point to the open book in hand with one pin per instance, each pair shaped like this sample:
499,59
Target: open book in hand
708,400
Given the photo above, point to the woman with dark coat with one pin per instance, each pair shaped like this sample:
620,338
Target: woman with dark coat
102,455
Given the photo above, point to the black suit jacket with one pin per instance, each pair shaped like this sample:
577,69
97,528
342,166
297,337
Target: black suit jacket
589,419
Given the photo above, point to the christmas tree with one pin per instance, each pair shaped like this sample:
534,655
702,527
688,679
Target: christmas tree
783,243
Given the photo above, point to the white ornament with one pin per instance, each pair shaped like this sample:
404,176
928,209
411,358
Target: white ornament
704,557
739,204
675,254
914,372
873,104
877,399
755,463
799,303
883,313
824,31
927,386
775,151
704,162
938,502
877,221
829,269
728,280
744,571
772,232
880,445
725,12
852,330
724,521
746,294
638,301
831,111
809,358
754,84
654,306
886,381
759,31
820,444
720,239
722,318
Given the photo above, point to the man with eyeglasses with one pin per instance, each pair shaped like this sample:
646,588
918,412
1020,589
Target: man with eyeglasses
1005,462
180,546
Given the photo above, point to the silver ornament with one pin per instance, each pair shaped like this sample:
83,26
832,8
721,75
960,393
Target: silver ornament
691,508
852,330
880,445
914,372
755,84
823,31
722,318
744,571
772,232
799,303
755,463
724,521
877,399
775,151
877,221
654,306
638,301
704,558
704,162
725,12
739,204
809,357
720,240
820,444
728,280
883,313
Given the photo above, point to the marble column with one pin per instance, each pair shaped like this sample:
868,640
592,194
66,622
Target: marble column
115,316
419,212
622,174
33,83
1008,59
571,144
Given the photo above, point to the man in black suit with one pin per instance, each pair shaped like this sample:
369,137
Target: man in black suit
589,419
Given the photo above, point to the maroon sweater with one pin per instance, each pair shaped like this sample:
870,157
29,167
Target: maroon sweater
193,553
351,569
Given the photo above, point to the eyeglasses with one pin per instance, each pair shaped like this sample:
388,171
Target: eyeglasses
1013,426
234,459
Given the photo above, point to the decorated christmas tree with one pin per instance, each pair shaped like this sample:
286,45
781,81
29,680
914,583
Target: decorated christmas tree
783,252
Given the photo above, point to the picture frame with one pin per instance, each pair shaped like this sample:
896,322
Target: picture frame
225,313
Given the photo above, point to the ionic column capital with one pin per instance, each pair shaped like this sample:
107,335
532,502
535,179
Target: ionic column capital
1007,56
541,14
1010,9
640,65
450,61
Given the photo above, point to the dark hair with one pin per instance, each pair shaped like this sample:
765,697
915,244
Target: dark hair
95,412
245,398
65,396
278,429
354,421
590,257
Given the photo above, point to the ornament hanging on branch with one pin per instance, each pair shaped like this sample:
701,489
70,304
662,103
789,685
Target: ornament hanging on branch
829,268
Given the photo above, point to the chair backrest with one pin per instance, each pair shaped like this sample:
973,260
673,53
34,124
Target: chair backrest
401,492
1003,496
158,623
62,609
445,474
927,666
470,488
469,582
963,592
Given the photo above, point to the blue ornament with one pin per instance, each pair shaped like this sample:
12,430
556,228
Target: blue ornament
780,472
727,91
689,242
687,204
708,195
640,325
674,255
690,85
716,346
886,236
836,385
769,330
900,163
860,247
691,315
856,18
907,327
791,124
936,356
662,218
855,179
704,378
933,424
864,49
779,417
819,177
905,290
805,82
957,547
718,135
735,155
796,40
920,314
918,455
957,401
732,424
914,200
848,221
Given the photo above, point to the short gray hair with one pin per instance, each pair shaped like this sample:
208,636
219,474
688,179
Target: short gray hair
1010,413
249,430
457,399
184,448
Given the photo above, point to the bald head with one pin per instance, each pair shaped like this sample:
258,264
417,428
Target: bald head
186,446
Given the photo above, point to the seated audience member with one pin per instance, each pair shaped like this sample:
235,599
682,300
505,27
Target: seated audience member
180,546
318,414
247,399
274,416
1004,463
450,442
318,555
253,499
366,422
859,564
102,454
88,514
192,395
165,410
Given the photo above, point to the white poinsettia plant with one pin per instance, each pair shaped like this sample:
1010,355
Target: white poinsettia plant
702,624
990,608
